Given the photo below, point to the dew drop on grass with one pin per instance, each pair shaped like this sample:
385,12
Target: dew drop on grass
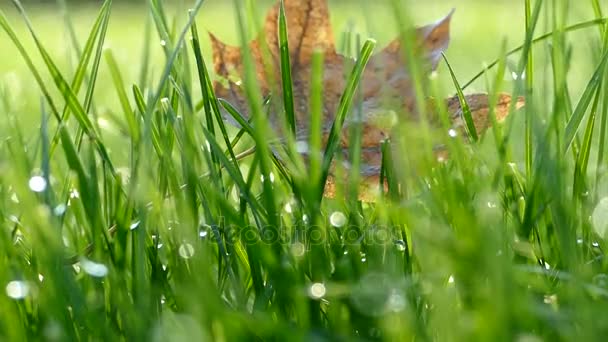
400,245
134,225
600,217
74,193
186,251
17,289
452,133
60,210
163,42
451,280
37,184
317,290
337,219
94,269
203,233
396,302
302,147
298,249
288,208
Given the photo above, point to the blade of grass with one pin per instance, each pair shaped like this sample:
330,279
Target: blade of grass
286,70
572,28
344,108
583,104
466,111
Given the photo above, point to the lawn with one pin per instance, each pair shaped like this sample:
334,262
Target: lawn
132,211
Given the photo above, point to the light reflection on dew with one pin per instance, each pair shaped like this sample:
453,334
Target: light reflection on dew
163,42
302,146
60,210
37,184
203,233
317,290
74,193
451,280
298,249
400,245
94,269
134,225
288,208
453,133
17,289
396,302
337,219
186,251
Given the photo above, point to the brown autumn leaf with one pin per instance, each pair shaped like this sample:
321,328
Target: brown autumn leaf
386,83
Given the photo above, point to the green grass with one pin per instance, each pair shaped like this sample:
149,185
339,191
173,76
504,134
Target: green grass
126,216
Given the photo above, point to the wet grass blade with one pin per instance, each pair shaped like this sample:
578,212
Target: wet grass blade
344,108
466,111
579,112
122,97
287,83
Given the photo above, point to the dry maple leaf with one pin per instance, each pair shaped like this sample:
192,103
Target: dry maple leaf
386,83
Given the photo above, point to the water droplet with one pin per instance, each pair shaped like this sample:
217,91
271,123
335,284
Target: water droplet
298,249
203,232
74,193
400,245
453,133
17,289
302,146
492,205
451,280
595,244
186,251
579,241
372,294
600,217
396,302
37,184
60,210
14,198
94,269
317,290
134,225
547,266
163,42
337,219
433,75
288,208
550,299
103,123
40,277
305,218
